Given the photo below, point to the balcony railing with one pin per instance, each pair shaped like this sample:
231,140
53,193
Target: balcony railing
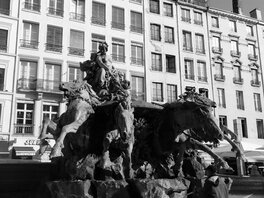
3,48
136,61
235,53
56,12
98,21
196,2
76,51
255,83
136,29
23,128
222,105
48,85
238,80
32,6
4,11
252,57
198,22
118,58
201,51
53,47
188,48
186,19
202,78
29,44
117,25
76,16
137,96
189,77
26,84
240,106
217,50
219,77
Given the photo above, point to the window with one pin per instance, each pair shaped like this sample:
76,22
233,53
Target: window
250,31
5,7
98,13
219,69
138,1
75,74
77,8
240,100
221,97
216,44
215,22
52,76
202,75
203,92
186,15
199,40
257,102
198,18
169,34
170,64
222,120
189,70
50,111
136,22
118,18
54,39
118,50
136,54
243,123
32,5
237,73
252,52
254,76
3,40
157,92
96,40
155,32
171,93
137,91
167,9
2,79
56,7
30,35
233,26
187,41
234,48
24,118
1,106
260,129
154,6
156,62
76,43
27,75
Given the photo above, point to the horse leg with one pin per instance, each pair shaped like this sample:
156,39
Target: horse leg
179,159
127,164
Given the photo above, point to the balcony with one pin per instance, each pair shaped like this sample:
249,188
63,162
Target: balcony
200,51
32,6
117,25
202,78
219,77
55,12
196,2
136,29
23,128
188,48
186,19
238,80
137,96
136,61
77,17
252,57
48,85
24,84
240,106
29,44
235,53
222,105
4,11
76,51
98,21
255,83
118,58
189,77
217,50
3,48
198,22
53,47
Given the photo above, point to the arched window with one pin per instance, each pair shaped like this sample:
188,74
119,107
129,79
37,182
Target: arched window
254,74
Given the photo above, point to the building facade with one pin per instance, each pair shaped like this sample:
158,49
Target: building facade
163,47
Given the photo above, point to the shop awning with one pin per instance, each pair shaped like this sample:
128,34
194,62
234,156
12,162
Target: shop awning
24,151
4,147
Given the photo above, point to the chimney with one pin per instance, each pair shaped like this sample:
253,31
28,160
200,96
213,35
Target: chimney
256,13
237,6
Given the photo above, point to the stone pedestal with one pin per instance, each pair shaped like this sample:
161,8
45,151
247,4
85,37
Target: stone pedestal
162,188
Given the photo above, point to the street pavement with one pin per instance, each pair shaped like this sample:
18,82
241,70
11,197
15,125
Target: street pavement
252,195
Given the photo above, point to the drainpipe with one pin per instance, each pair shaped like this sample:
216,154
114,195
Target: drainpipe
144,50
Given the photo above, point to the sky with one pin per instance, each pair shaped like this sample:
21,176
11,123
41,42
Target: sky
247,5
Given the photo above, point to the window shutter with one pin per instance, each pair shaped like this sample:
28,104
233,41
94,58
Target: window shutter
35,32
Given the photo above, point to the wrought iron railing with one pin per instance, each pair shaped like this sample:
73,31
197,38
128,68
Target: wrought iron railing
188,48
32,6
138,96
3,48
252,57
189,77
137,61
240,106
117,25
98,21
202,78
118,58
4,11
56,12
255,83
198,22
29,43
53,47
238,80
136,29
219,77
76,16
235,53
196,2
186,19
76,51
217,50
26,84
199,50
23,128
48,85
